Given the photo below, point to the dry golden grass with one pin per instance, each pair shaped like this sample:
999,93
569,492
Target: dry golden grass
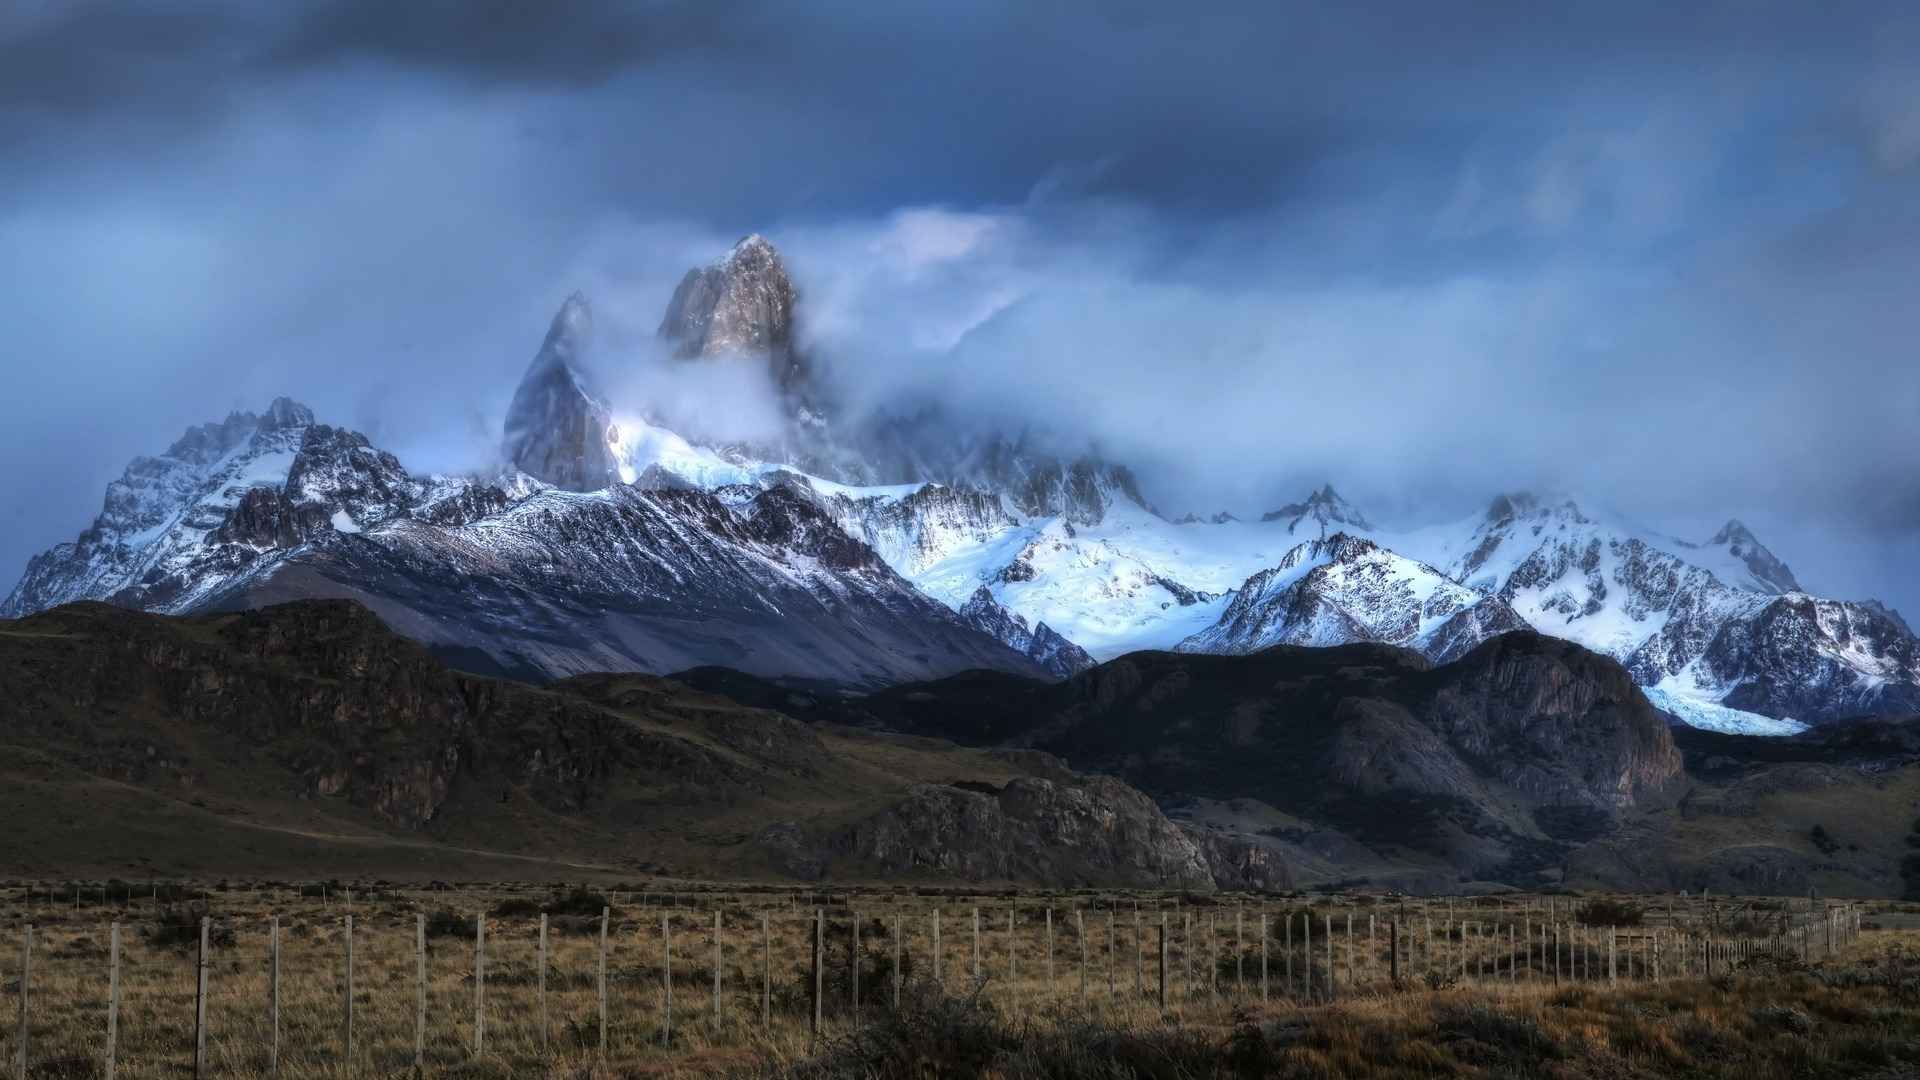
1373,1027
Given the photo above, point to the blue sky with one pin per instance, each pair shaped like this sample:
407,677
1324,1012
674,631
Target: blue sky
1660,255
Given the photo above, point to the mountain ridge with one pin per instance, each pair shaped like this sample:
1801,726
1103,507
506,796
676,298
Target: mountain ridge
1055,557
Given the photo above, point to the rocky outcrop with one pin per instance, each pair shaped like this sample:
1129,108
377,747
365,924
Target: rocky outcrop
557,429
1097,831
1239,862
266,518
340,471
1562,724
741,305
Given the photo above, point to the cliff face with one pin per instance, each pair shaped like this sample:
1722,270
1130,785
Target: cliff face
557,429
739,306
1089,831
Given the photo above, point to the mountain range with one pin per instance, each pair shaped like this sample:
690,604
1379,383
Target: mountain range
862,552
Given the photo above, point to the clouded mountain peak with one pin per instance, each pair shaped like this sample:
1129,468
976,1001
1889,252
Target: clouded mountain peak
1324,509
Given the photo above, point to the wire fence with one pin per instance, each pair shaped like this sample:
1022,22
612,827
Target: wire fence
174,982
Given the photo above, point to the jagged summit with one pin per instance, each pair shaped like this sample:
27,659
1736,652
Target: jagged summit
1324,508
557,429
286,413
741,304
1744,548
1343,588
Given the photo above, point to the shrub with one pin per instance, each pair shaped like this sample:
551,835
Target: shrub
447,922
179,928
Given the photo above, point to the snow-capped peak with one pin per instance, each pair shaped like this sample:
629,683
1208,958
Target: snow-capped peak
1761,568
1324,509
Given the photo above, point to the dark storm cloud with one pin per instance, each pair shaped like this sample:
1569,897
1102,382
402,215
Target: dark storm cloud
1657,252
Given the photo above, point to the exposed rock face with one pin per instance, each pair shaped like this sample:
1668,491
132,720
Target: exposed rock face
265,518
339,470
1095,832
1055,654
557,430
1564,725
740,305
1241,863
1814,660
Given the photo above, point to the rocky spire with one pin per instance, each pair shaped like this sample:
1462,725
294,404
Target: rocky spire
1321,510
741,305
557,430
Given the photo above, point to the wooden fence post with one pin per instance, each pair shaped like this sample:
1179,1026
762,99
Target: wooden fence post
1049,952
819,967
540,962
853,967
1080,931
600,981
1163,961
766,970
1139,954
1263,956
666,975
1373,947
273,995
1287,951
1350,978
113,997
1613,941
1186,954
1110,989
420,990
20,1056
1239,951
1213,955
1393,950
896,960
479,984
976,946
199,1005
1329,934
936,949
1426,956
719,927
1306,955
1013,955
346,1031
